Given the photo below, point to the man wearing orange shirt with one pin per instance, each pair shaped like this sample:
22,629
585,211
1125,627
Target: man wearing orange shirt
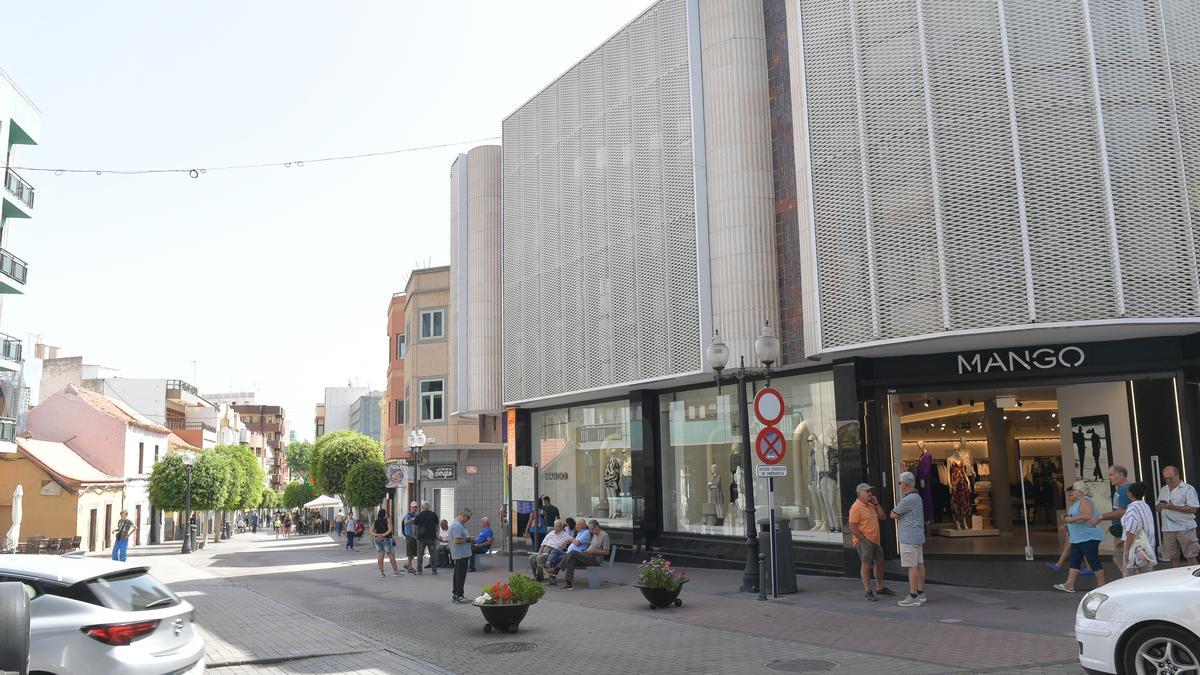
865,515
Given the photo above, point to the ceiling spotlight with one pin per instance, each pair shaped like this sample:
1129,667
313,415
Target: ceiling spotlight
1006,417
1027,417
1053,414
926,403
931,425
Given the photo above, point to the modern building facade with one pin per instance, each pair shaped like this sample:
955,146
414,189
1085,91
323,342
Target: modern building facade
270,422
461,464
364,415
338,402
985,255
395,436
20,125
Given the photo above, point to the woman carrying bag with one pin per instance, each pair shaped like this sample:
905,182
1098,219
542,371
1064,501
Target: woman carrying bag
1138,524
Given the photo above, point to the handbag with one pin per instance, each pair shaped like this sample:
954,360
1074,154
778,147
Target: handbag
1141,556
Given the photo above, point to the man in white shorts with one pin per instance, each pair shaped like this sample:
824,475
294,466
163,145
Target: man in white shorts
1177,503
910,512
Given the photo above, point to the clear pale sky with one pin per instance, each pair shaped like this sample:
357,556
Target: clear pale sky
278,279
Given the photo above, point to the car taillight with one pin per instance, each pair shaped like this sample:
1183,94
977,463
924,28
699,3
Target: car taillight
119,634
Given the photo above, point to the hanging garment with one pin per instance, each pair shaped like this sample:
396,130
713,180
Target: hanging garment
960,491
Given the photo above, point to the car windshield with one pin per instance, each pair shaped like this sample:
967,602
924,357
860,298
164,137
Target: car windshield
132,591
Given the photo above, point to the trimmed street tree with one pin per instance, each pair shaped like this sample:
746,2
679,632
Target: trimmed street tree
168,483
299,458
366,484
337,453
297,494
270,499
245,478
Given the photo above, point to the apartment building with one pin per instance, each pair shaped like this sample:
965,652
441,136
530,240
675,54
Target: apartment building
395,435
269,422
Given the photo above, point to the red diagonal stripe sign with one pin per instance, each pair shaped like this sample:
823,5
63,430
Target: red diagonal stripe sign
770,445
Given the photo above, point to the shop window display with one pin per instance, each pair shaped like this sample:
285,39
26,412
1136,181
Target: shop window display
585,460
704,480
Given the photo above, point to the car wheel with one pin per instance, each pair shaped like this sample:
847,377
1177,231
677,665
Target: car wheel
1162,650
14,639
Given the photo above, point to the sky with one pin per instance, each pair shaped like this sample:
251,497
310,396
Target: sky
273,280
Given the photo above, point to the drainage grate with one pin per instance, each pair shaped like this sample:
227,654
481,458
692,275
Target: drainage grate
506,647
802,666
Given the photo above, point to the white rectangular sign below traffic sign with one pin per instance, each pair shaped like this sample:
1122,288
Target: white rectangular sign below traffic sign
771,470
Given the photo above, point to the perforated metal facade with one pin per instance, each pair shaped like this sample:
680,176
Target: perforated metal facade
978,164
599,271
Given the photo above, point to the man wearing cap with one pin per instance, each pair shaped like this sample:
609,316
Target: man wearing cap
909,511
410,537
865,515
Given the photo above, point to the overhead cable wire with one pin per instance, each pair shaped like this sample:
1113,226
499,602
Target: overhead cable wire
196,172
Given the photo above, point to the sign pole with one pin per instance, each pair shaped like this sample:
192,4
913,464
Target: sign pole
512,518
774,557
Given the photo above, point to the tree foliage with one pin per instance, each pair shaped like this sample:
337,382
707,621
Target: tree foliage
299,457
366,484
270,499
297,494
210,482
245,477
337,453
168,483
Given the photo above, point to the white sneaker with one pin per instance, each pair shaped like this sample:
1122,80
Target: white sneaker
921,598
909,601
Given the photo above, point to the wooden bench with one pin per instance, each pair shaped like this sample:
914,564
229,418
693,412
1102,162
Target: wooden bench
596,572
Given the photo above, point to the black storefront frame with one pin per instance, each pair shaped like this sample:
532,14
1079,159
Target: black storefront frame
697,550
874,380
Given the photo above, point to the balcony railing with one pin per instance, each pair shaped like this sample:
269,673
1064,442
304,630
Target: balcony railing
182,386
181,425
10,348
8,429
13,267
18,187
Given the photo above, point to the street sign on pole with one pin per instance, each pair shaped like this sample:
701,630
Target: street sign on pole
770,445
771,470
523,483
768,406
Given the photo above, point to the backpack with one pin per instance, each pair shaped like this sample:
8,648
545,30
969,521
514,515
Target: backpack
359,528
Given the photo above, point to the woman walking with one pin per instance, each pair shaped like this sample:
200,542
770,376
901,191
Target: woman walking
287,525
278,526
1138,525
351,530
1085,539
385,543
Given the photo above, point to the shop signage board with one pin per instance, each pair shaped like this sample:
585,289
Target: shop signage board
770,445
768,406
439,471
771,470
471,469
522,482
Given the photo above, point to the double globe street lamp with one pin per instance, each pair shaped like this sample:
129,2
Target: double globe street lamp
416,441
766,350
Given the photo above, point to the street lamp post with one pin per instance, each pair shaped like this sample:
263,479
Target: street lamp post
189,458
416,441
766,350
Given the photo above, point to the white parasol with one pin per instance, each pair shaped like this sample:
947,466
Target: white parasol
14,532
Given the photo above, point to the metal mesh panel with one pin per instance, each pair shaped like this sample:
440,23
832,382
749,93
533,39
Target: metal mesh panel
838,198
980,209
1056,120
1106,120
898,168
603,224
1148,195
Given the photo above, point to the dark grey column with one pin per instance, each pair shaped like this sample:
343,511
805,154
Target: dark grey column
997,441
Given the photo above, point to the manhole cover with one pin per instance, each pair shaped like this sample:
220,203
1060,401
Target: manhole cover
506,647
802,666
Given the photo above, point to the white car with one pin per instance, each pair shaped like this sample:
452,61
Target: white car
1149,623
89,615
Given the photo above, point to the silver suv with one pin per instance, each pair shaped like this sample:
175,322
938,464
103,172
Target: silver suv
91,615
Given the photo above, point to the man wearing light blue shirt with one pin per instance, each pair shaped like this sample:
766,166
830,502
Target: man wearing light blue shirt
460,552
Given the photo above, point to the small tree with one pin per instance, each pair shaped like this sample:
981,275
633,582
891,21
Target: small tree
299,457
168,483
269,499
338,453
366,484
297,494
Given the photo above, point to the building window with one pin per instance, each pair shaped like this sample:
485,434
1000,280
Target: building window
401,345
141,457
432,392
399,412
156,454
432,324
585,453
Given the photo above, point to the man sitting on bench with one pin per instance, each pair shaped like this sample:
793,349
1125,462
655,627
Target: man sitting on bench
596,554
482,544
552,550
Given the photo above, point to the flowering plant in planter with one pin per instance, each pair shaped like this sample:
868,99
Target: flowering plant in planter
519,590
658,573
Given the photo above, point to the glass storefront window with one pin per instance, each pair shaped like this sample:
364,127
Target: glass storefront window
703,477
585,460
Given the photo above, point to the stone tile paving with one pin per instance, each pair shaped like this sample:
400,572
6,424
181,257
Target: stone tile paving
332,599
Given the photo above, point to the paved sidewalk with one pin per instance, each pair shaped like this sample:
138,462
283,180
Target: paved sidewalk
263,600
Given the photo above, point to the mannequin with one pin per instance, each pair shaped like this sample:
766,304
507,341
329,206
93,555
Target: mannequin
960,487
627,476
612,478
715,494
815,464
924,480
828,481
738,506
